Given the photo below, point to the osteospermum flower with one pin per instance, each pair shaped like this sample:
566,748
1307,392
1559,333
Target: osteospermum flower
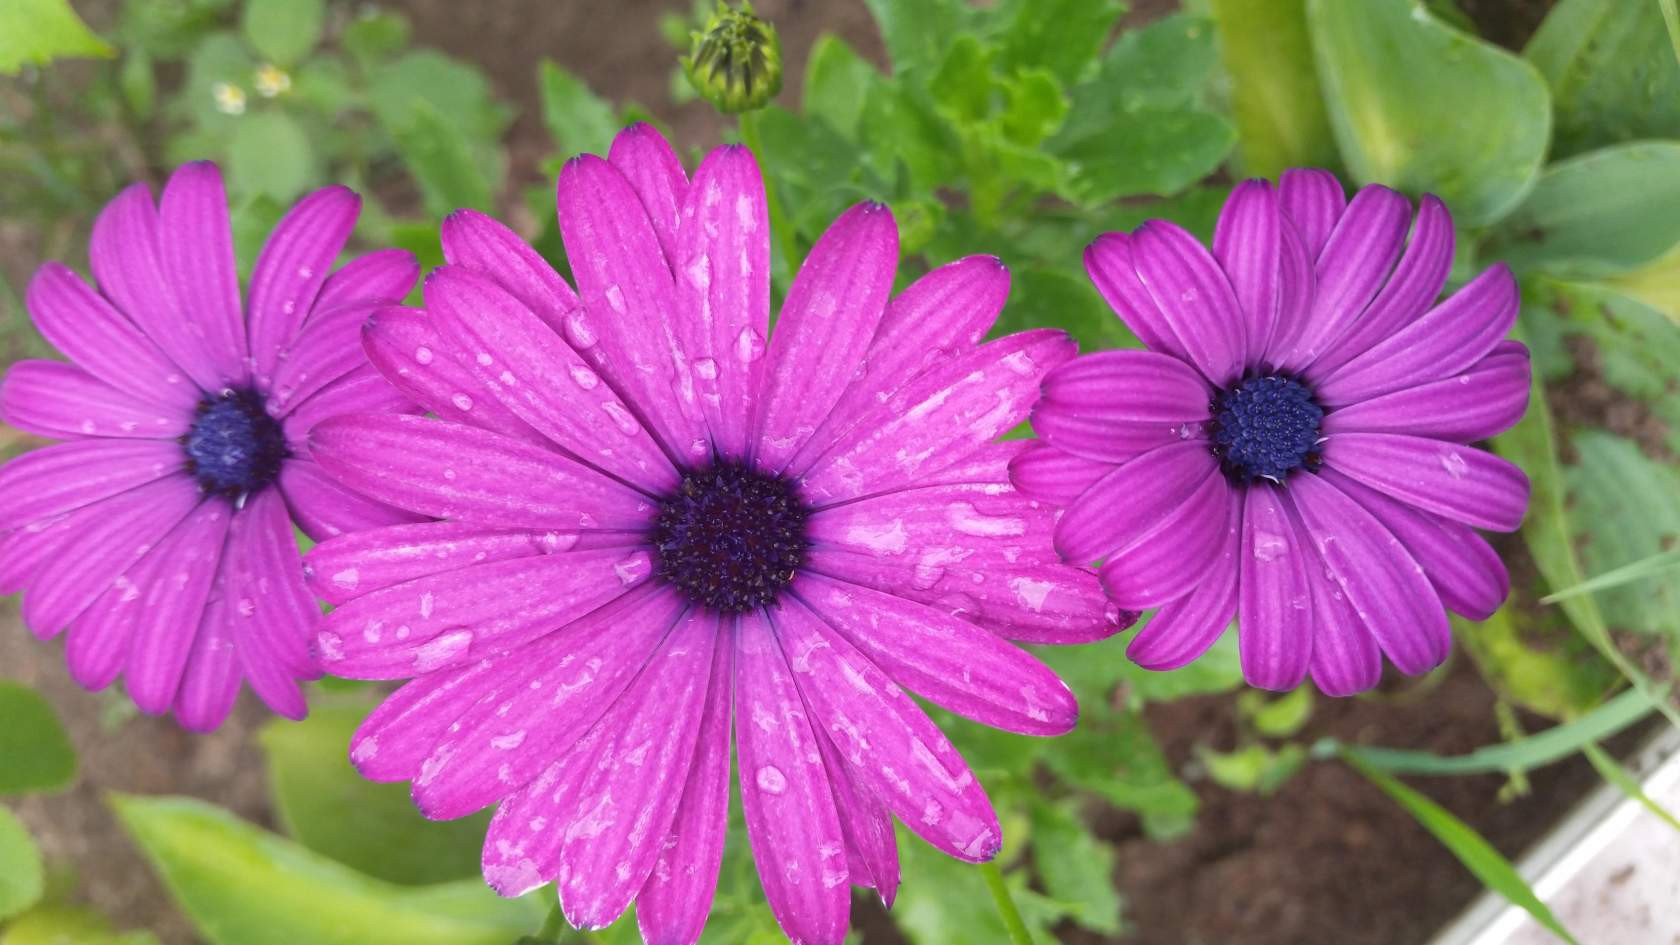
658,524
1294,447
160,536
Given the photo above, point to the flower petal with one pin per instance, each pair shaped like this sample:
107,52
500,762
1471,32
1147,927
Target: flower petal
1449,338
363,390
273,617
1383,582
400,733
1194,295
448,470
1182,630
939,419
531,372
165,596
1110,264
327,349
195,247
791,821
62,478
1314,201
361,562
648,162
292,267
62,401
323,508
1247,242
406,349
1345,656
211,681
947,660
1296,287
721,261
1466,485
480,242
384,275
1047,474
1129,502
75,320
1111,406
829,318
871,841
1484,401
1354,264
1167,559
1275,614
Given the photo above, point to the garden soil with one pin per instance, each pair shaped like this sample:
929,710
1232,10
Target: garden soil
1326,859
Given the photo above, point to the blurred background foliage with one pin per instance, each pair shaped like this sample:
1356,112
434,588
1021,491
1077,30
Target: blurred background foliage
1020,128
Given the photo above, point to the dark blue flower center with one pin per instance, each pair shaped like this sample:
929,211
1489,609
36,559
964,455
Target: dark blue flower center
1266,428
731,538
234,447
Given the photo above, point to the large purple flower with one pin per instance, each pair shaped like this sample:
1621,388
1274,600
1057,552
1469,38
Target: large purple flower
161,535
1293,448
655,524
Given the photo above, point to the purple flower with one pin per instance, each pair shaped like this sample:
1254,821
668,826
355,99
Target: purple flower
1293,448
161,535
659,524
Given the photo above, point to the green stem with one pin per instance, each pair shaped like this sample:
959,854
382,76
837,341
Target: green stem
553,926
1018,934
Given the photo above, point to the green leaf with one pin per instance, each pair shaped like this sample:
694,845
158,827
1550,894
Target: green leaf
441,163
22,874
578,120
1275,99
325,805
963,85
138,84
1061,36
1076,868
283,31
1612,469
1477,855
1420,106
68,925
1280,717
35,32
916,32
252,223
1532,657
37,752
837,80
1612,71
1649,566
374,35
1605,212
1118,760
269,156
1522,754
945,901
1254,769
399,89
1611,771
241,885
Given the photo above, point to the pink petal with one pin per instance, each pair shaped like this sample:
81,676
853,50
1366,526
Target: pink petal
384,275
721,261
629,798
1345,656
210,683
76,321
1247,242
449,619
1182,630
939,419
393,741
673,905
1484,401
404,345
58,479
1385,585
827,322
323,508
1275,613
195,247
1109,261
361,562
981,525
479,242
362,391
791,821
1296,288
1353,265
947,660
886,740
1449,338
272,616
162,603
648,162
871,843
1314,201
625,328
531,372
292,267
1195,297
1168,558
1047,474
327,349
448,470
1129,502
1466,485
1111,406
61,401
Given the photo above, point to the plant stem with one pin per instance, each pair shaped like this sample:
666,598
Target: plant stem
553,926
1018,934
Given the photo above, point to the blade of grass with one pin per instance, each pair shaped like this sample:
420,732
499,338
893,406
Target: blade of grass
1613,772
1522,754
1671,19
1616,577
1477,855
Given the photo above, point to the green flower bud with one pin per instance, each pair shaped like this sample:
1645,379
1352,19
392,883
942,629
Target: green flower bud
736,62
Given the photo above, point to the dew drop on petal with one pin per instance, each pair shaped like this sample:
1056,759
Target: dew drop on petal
461,401
1454,464
423,354
749,346
706,369
770,780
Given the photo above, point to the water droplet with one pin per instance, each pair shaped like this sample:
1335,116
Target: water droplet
555,542
1269,546
1454,464
584,377
626,423
461,402
484,359
578,330
706,369
441,650
615,298
423,354
770,780
749,346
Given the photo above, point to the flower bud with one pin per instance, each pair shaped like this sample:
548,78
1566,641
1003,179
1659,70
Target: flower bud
736,61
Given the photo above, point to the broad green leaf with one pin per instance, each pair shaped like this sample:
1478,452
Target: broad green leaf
578,120
1604,212
916,32
51,924
1532,657
1275,99
1035,106
138,83
1119,761
1633,506
904,136
1255,768
283,31
1656,285
1523,754
252,222
22,875
1420,106
35,752
963,86
326,806
269,156
441,163
1611,770
1278,717
1477,855
837,80
219,60
1076,867
945,902
1157,151
397,90
1612,71
1062,36
1095,670
241,885
35,32
373,35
